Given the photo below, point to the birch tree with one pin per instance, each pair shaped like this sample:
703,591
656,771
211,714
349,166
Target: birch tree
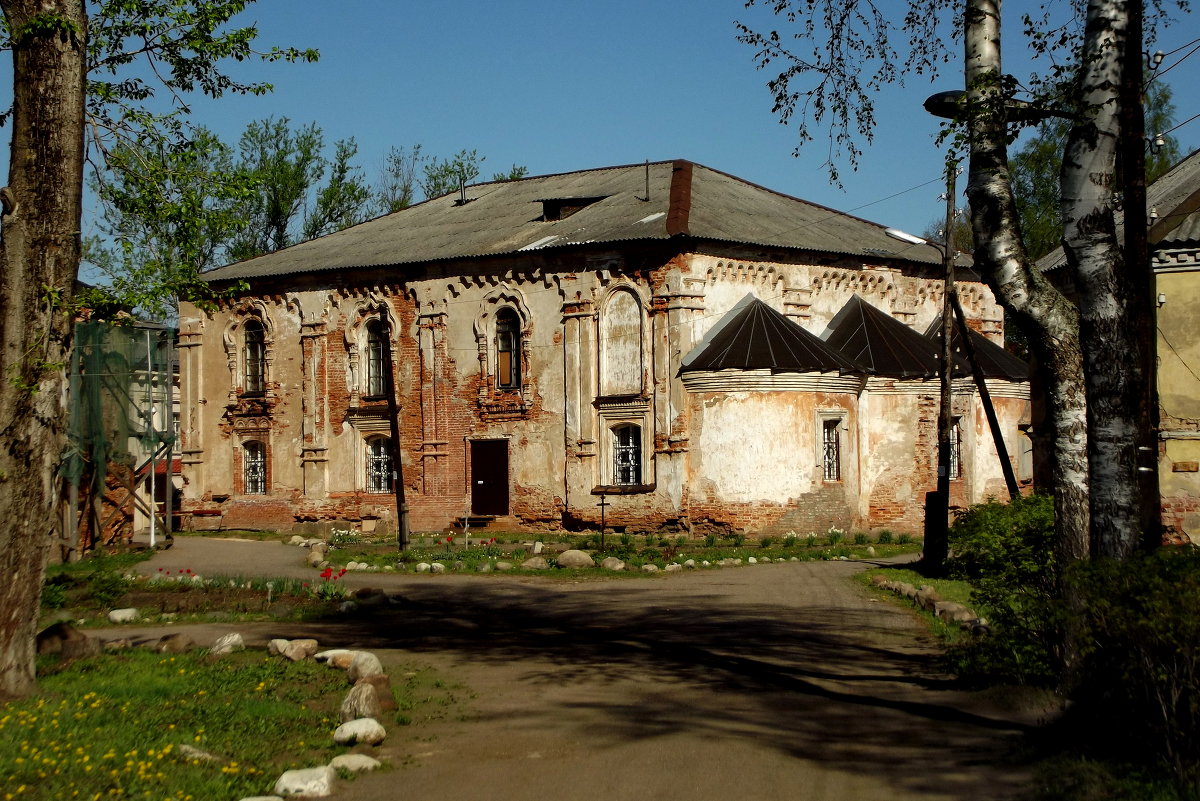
71,63
853,56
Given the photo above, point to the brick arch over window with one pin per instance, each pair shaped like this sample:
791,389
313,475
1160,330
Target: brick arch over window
249,340
622,346
502,330
367,319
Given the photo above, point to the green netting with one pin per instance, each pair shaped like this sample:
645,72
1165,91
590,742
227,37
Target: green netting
120,402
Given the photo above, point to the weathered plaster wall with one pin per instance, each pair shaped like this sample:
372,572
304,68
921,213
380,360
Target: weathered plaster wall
1179,397
746,459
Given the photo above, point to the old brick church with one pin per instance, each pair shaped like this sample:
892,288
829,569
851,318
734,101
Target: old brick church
699,352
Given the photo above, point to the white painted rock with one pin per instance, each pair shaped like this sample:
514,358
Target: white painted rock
363,730
362,665
299,650
674,567
309,781
752,561
227,644
437,567
538,546
123,615
335,657
690,564
422,567
355,763
575,558
612,563
649,568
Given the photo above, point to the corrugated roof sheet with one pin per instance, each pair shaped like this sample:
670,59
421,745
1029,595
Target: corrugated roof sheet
994,361
753,336
1175,196
641,202
881,343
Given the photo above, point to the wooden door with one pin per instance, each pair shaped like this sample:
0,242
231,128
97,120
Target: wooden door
489,477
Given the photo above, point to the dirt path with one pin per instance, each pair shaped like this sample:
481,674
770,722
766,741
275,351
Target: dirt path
782,681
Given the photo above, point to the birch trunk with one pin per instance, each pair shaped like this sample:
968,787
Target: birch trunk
1108,300
1049,319
39,256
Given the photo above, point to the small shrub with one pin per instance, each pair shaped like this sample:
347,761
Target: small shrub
105,588
710,541
54,595
626,538
736,539
766,542
905,538
811,541
885,537
1140,641
790,539
680,540
861,538
835,535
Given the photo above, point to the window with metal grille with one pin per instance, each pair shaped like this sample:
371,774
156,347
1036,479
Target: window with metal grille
254,468
955,449
256,358
831,450
627,455
508,350
379,465
376,342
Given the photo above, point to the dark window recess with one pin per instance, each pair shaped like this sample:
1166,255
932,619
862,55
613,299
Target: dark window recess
254,464
627,455
375,362
955,450
831,451
256,358
561,208
379,465
508,350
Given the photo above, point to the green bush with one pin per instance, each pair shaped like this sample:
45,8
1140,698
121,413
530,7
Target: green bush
1006,552
861,538
105,588
766,542
905,539
1140,642
885,537
836,535
710,541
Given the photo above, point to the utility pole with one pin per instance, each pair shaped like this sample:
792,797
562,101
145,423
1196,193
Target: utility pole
937,503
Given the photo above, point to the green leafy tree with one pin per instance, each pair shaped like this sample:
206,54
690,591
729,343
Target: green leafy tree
1036,166
444,175
167,215
397,185
76,65
343,201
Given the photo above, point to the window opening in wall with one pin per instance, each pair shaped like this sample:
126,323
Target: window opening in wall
508,353
254,462
375,361
627,455
256,358
831,450
379,465
955,449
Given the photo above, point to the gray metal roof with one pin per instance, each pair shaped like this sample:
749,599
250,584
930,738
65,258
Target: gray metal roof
1175,196
641,202
753,336
880,342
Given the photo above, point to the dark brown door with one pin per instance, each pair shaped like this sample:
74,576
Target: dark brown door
489,476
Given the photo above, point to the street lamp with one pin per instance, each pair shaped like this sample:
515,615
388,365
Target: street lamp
937,503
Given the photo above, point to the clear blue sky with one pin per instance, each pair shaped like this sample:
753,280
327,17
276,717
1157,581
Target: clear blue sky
572,85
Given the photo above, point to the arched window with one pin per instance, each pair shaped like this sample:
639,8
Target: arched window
621,345
627,454
508,350
956,449
376,363
379,465
255,356
254,468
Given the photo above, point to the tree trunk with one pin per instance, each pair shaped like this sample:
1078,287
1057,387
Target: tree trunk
1109,302
1048,318
39,255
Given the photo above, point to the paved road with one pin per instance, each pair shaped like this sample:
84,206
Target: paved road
782,681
